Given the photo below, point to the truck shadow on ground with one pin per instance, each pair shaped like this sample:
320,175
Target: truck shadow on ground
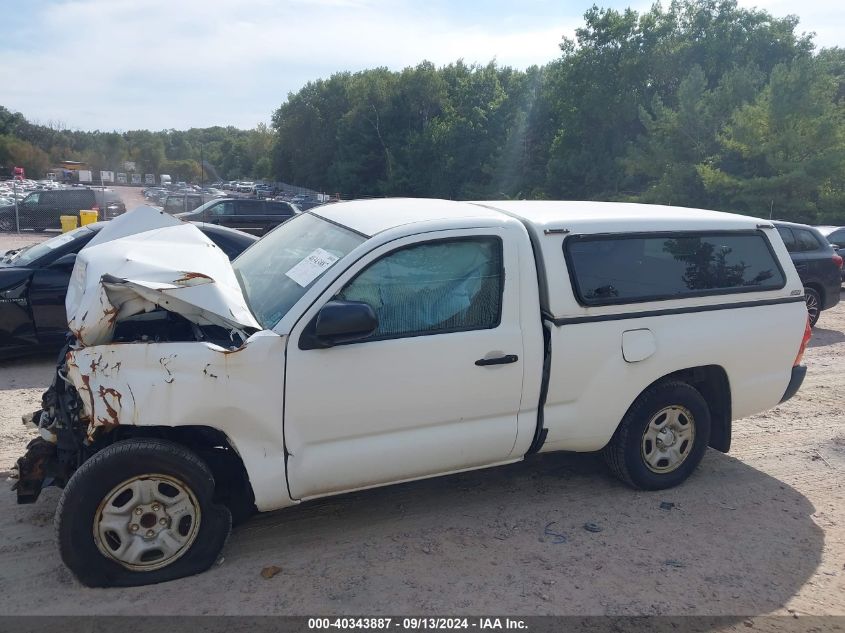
822,337
552,535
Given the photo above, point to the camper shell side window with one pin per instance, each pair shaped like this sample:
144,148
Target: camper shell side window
611,269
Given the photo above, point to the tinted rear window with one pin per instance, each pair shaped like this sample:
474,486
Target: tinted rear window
806,240
608,270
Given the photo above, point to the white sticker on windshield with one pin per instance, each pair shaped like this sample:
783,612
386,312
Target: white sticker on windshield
311,267
59,241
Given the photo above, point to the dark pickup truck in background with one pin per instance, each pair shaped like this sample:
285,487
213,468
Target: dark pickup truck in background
244,214
41,210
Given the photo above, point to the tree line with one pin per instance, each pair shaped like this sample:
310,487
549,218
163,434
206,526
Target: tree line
697,103
229,152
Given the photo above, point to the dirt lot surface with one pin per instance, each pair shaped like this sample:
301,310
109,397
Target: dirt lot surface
758,531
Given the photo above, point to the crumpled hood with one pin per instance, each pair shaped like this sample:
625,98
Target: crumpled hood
145,259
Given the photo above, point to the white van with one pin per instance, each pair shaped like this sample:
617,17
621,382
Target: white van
372,342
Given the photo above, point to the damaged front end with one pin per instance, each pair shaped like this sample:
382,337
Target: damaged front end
144,281
61,445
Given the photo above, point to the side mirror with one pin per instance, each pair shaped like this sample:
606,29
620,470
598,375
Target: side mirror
339,322
65,262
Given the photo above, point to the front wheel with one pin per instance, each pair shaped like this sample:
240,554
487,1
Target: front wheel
140,512
662,437
814,304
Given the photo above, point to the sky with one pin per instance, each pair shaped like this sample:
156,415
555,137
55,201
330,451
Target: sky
160,64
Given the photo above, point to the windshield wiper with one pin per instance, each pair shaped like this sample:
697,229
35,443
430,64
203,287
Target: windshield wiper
13,254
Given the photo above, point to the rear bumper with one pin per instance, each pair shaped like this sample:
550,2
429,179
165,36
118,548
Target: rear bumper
832,293
798,373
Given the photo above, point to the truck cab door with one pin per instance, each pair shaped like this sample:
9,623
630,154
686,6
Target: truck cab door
435,388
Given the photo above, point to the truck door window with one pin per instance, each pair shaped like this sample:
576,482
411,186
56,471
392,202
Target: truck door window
433,288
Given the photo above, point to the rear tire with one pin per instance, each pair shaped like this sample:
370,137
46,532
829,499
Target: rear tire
814,304
148,505
662,437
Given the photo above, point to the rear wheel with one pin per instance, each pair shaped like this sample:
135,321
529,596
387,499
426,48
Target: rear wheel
140,512
662,437
814,303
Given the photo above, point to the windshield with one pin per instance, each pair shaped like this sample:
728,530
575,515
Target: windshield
276,271
28,254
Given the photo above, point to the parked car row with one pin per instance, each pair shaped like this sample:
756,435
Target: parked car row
158,195
303,201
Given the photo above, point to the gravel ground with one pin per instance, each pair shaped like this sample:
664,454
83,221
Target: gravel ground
757,531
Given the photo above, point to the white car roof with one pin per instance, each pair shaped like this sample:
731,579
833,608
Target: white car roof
370,217
374,216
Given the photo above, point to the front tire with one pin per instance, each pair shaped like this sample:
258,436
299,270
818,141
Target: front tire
662,437
148,504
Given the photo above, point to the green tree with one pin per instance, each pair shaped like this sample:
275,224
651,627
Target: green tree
784,153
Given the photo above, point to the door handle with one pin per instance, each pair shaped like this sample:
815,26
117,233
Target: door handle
501,360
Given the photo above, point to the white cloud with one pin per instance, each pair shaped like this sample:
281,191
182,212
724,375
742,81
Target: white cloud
127,64
825,18
179,63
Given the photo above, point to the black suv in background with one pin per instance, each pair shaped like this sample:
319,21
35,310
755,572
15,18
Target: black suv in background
818,265
42,209
245,214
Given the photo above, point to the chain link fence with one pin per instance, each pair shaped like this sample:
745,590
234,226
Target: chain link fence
42,209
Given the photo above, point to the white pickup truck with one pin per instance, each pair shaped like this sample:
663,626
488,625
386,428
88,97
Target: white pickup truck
373,342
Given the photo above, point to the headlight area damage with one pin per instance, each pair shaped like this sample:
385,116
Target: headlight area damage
153,290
